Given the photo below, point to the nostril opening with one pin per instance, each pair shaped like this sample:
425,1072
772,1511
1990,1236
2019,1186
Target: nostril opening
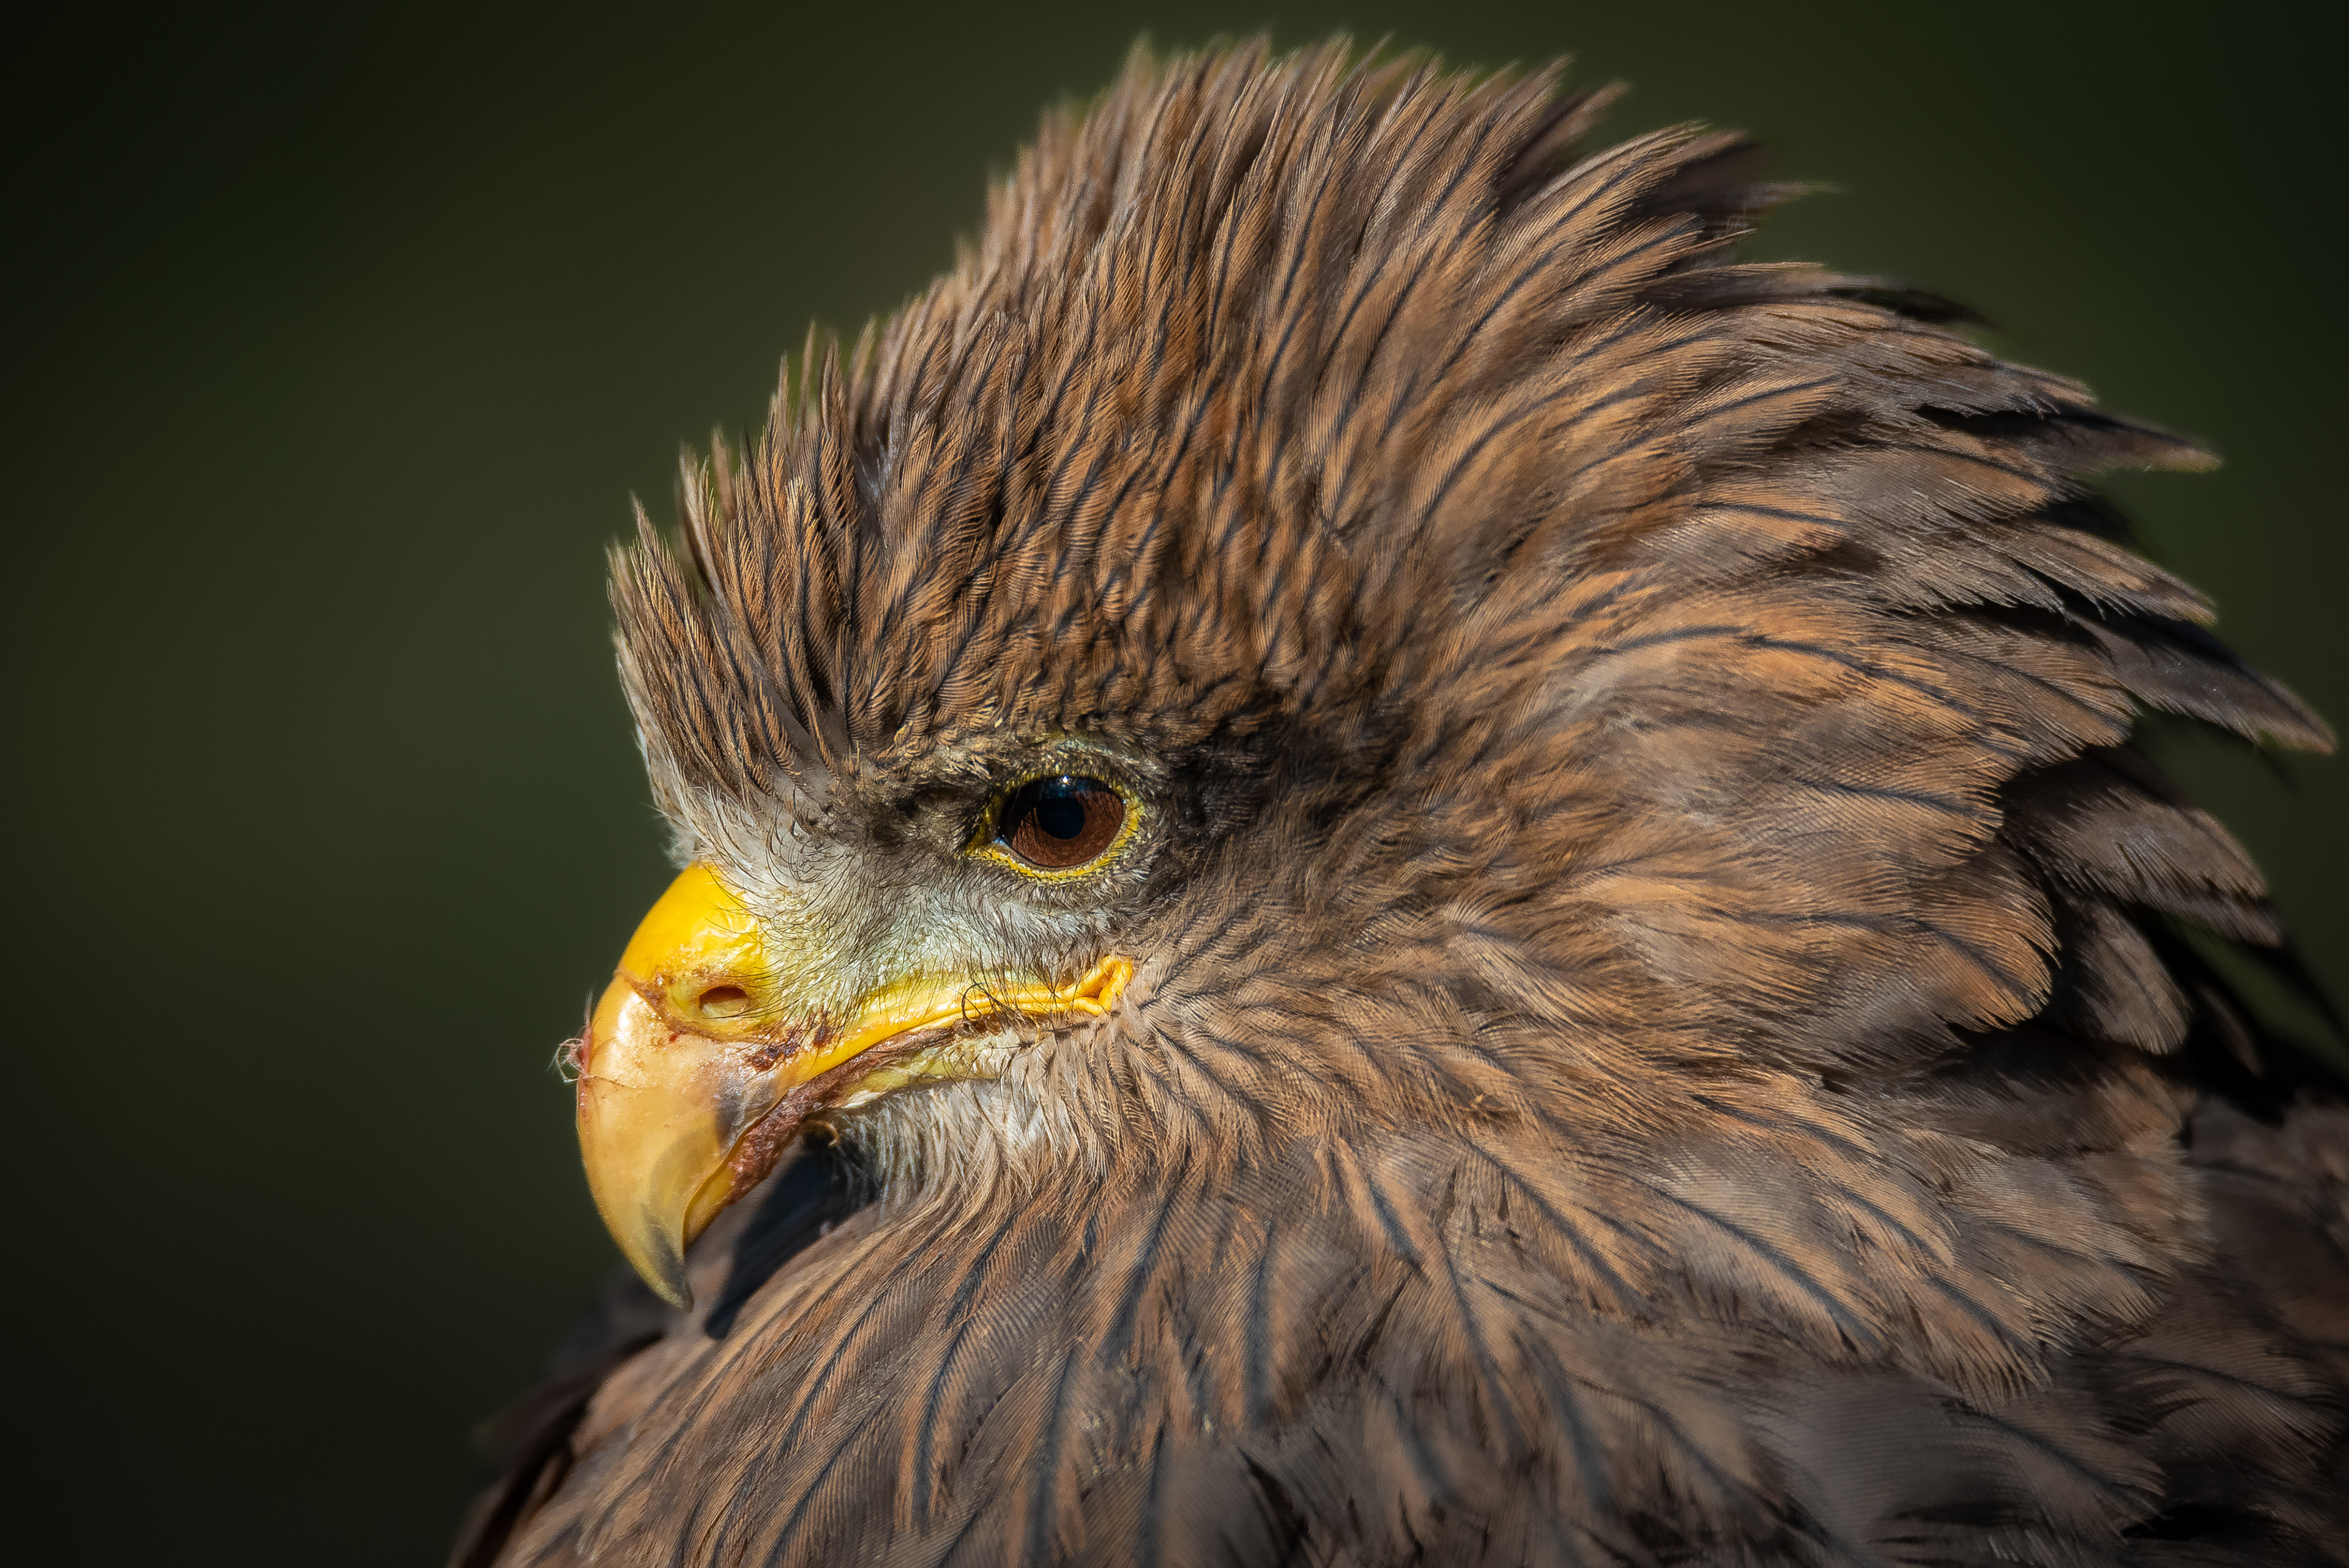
723,1001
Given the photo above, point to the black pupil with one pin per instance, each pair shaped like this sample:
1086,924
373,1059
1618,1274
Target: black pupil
1060,808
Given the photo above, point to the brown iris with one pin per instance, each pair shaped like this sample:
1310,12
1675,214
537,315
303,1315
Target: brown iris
1058,824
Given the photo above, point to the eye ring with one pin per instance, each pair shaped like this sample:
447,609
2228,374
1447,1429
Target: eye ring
1058,825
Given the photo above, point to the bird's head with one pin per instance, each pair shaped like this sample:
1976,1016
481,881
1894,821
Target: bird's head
1343,612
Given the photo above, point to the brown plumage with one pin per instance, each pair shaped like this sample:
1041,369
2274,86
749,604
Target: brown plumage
1669,1026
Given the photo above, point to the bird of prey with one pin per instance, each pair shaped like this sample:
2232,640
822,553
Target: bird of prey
1383,863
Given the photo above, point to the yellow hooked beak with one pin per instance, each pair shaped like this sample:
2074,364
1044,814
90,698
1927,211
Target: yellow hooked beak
695,1074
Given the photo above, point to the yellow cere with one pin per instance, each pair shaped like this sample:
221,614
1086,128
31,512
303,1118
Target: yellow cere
695,928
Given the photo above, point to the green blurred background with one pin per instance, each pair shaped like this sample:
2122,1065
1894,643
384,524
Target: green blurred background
338,346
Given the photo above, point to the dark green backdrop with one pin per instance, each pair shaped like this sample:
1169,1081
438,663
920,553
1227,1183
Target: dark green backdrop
334,356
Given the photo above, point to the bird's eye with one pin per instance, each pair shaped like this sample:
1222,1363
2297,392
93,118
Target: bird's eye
1059,824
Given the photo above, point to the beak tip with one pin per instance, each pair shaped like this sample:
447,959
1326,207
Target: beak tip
668,1283
660,1262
